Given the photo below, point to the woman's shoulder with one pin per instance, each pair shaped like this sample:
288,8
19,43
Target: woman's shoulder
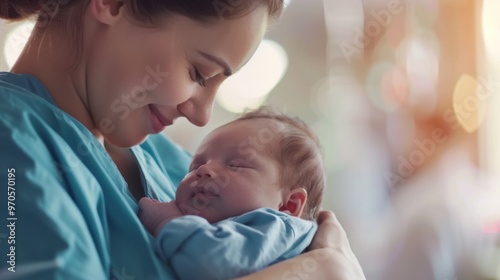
28,86
29,119
26,107
16,102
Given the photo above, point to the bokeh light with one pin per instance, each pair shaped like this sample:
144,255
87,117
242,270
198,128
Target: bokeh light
385,86
15,41
425,12
249,87
419,54
400,129
469,102
491,33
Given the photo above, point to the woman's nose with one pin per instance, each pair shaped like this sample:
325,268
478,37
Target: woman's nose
198,109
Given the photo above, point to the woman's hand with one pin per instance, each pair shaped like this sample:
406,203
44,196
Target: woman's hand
154,214
332,238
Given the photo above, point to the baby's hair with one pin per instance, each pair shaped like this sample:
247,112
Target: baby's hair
299,155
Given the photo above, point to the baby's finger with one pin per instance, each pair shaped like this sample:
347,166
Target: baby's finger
144,201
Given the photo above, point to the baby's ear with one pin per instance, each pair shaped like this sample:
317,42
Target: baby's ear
294,202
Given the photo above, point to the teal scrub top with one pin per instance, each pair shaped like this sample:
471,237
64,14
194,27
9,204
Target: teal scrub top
65,210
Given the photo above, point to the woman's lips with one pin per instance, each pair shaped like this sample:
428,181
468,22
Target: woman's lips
158,120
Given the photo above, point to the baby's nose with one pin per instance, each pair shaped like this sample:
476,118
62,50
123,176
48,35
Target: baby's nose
205,171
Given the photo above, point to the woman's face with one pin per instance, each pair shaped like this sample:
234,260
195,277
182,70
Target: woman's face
141,79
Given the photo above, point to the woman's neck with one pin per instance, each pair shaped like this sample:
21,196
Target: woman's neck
49,57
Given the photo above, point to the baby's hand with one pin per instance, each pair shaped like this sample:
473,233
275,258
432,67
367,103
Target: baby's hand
154,214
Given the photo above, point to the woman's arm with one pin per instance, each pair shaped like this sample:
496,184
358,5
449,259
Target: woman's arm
330,257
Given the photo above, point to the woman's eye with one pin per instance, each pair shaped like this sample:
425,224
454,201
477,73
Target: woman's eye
199,78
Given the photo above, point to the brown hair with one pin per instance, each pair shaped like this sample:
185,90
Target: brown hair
144,10
299,156
69,13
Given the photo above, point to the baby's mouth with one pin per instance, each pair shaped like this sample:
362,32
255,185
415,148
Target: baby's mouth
205,191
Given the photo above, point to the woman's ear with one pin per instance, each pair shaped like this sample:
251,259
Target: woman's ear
106,11
294,202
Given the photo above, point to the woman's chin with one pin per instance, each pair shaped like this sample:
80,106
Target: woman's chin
124,141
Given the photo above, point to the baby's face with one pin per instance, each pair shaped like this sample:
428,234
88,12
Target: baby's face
233,172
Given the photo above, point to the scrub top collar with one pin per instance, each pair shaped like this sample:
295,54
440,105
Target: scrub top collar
27,82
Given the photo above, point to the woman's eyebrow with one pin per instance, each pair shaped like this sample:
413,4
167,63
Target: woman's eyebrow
219,61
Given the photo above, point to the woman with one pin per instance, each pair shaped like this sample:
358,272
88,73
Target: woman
95,79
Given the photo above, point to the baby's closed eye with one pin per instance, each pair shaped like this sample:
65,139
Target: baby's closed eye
237,164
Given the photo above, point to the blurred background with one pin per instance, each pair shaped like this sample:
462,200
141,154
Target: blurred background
404,95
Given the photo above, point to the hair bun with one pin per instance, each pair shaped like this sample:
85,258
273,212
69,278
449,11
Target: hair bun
19,9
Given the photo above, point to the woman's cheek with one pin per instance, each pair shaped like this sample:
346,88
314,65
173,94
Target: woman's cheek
175,90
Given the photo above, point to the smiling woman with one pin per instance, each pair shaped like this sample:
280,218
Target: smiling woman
80,114
177,42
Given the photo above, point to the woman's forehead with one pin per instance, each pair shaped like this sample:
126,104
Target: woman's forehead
234,40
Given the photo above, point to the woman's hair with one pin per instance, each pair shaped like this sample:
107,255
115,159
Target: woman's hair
69,13
147,11
299,155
